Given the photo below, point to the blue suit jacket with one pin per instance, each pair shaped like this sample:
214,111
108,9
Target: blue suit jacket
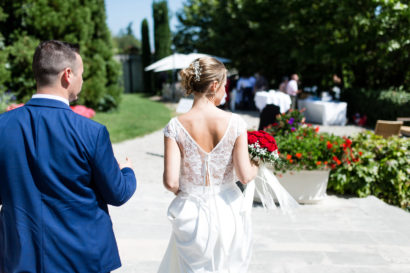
57,175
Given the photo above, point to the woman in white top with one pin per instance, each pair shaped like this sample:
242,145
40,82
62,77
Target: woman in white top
205,153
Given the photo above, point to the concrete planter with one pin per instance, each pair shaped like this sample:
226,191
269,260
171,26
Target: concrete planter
306,187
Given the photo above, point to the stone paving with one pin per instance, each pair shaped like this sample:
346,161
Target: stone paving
337,235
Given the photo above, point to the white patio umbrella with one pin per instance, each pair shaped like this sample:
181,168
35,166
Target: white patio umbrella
173,60
179,61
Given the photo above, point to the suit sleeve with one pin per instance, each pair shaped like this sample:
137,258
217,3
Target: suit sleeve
114,185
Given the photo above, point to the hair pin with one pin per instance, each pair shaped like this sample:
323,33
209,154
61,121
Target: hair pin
197,70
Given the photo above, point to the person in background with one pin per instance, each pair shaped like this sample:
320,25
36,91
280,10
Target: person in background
283,84
261,84
292,89
245,87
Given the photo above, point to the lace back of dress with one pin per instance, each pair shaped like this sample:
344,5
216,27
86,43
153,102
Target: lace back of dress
198,168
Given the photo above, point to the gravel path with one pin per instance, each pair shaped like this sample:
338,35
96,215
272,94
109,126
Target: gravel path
337,235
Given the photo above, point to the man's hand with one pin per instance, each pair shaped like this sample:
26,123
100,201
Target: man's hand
127,164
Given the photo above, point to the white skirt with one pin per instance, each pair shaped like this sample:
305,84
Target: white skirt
211,232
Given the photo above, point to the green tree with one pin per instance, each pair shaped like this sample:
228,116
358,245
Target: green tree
126,43
162,32
4,72
146,56
76,21
366,42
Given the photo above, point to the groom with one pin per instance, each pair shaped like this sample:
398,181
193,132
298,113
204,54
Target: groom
57,175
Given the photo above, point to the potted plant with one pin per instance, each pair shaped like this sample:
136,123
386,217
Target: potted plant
310,157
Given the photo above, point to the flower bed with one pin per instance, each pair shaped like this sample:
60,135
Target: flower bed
363,165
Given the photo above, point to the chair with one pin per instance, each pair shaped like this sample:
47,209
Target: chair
387,128
268,115
405,130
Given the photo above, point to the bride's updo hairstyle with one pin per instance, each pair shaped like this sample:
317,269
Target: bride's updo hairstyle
199,75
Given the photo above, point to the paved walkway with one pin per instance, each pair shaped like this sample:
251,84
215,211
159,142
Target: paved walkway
338,235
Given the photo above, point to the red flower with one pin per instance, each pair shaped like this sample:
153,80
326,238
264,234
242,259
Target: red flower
318,163
335,158
252,139
272,147
325,162
348,142
332,166
298,155
275,124
263,142
360,153
317,129
338,162
291,160
289,157
329,145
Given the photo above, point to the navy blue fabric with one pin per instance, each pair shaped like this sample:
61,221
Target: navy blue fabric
57,175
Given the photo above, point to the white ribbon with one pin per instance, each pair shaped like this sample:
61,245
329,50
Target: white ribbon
270,186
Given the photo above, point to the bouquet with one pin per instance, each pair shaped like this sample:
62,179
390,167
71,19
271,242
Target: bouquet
263,150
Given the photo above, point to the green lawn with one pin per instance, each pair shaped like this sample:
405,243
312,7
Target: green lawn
135,116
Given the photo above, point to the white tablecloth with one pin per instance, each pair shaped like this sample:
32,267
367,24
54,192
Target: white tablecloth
262,98
324,112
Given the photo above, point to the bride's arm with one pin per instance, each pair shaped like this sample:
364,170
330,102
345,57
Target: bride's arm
172,163
244,168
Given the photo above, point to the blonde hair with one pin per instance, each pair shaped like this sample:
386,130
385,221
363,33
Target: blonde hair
199,75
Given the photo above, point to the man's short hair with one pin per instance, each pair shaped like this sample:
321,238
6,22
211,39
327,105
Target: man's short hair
52,57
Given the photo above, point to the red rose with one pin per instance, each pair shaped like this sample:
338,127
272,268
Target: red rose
272,147
348,142
252,139
264,142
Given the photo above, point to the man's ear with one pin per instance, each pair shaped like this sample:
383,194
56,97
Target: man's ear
67,74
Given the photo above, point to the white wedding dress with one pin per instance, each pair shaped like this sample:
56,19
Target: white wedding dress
211,222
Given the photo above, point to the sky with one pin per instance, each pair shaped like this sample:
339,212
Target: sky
121,12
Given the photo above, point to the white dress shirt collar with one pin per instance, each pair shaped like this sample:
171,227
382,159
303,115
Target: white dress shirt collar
51,97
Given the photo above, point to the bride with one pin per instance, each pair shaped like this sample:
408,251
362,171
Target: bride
206,151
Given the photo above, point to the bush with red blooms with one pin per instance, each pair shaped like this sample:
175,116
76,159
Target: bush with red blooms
83,111
13,106
79,109
262,148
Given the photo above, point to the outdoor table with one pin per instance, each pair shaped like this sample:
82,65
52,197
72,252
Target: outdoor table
262,98
324,112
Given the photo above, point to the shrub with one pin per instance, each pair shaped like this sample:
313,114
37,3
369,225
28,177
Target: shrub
377,104
383,170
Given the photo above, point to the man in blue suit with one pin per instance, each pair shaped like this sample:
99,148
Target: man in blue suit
57,175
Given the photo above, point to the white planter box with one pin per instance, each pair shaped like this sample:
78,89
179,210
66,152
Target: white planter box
305,186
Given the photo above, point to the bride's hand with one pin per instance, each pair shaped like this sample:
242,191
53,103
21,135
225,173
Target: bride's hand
127,164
